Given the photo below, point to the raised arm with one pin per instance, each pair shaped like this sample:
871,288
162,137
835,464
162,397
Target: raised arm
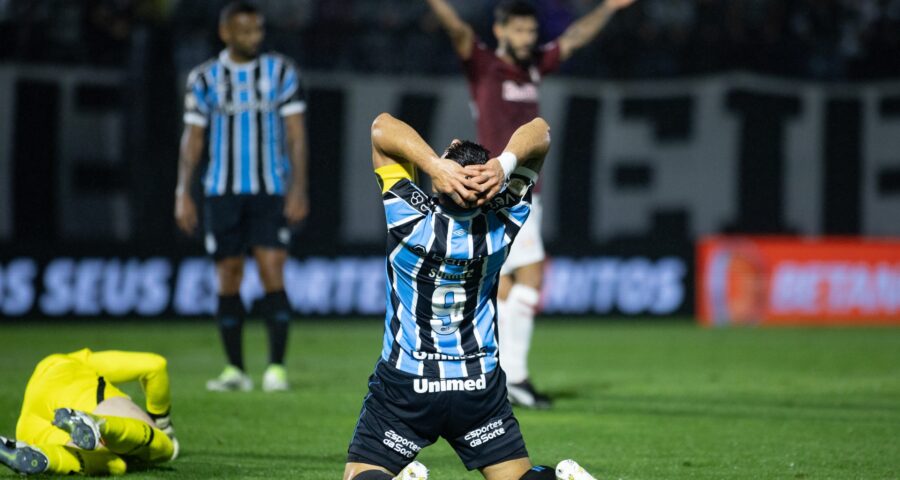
461,34
530,144
395,142
587,27
527,148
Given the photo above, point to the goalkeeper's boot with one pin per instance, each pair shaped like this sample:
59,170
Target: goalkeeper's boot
570,470
275,379
82,427
164,423
413,471
232,379
22,458
523,394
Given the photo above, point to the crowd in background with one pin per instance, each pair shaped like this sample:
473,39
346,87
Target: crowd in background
818,39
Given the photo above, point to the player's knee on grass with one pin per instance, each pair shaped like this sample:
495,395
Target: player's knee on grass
373,475
540,472
364,471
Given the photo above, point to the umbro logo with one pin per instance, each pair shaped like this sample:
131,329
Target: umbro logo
459,232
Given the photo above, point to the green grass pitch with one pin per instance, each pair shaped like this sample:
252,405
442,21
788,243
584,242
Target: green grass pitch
640,400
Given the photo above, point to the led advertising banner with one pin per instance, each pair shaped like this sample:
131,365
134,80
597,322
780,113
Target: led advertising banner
793,281
93,287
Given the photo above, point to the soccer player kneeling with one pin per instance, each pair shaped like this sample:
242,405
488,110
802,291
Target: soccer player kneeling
437,375
75,421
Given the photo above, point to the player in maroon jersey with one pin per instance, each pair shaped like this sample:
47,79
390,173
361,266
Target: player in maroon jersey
504,85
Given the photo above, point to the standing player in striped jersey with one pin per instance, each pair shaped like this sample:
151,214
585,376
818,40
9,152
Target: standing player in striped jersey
437,375
504,86
251,108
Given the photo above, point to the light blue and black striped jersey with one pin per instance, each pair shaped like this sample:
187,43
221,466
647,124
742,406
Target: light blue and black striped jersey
242,107
442,275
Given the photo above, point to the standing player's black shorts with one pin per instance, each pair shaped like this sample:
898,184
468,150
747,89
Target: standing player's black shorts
402,414
236,223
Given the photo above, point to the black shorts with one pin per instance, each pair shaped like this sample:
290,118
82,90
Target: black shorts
236,223
472,414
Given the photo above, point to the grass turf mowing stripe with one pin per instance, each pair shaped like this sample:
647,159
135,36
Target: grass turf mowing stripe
637,400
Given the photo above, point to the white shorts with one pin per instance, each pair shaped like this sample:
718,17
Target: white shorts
528,247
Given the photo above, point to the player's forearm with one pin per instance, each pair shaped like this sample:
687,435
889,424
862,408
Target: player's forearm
398,141
448,17
298,152
189,157
530,144
586,28
186,168
460,32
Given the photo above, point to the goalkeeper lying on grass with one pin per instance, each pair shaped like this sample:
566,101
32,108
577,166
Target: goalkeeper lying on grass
75,421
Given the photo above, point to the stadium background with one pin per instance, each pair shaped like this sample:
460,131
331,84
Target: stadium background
687,118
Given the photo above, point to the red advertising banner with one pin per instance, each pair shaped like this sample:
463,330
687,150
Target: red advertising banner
796,281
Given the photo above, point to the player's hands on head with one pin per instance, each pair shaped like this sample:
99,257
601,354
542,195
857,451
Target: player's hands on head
185,213
296,206
489,177
451,179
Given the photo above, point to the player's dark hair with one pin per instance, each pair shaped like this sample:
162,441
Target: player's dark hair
238,7
513,8
467,153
